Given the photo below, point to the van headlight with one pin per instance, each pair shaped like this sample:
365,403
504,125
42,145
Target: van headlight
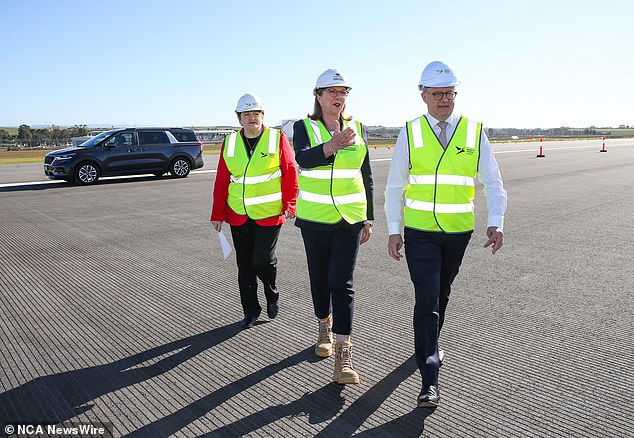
63,158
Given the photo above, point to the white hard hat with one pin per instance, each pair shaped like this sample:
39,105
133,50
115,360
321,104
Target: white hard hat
249,102
437,74
331,78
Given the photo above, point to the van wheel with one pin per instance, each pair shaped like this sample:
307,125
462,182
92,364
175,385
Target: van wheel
86,173
180,168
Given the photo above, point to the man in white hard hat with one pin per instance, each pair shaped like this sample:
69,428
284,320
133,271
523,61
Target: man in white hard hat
254,192
430,191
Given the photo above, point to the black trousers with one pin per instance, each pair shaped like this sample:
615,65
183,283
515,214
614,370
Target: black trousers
433,259
255,255
332,256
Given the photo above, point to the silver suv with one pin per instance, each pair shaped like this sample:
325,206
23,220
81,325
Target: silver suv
129,151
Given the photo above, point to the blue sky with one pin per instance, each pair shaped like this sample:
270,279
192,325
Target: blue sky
523,64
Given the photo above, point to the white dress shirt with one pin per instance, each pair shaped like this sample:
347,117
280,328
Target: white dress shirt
488,174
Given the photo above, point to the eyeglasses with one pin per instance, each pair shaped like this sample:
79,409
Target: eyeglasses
438,95
334,93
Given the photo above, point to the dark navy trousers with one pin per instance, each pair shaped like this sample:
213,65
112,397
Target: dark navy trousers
256,258
433,260
332,256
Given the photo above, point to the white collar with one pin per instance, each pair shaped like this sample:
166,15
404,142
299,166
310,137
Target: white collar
452,119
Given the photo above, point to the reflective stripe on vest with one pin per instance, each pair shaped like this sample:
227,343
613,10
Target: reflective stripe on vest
335,191
441,184
255,187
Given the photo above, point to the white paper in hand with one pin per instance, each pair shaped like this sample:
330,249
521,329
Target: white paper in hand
224,245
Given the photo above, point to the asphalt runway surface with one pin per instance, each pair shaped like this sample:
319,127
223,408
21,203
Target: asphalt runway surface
116,307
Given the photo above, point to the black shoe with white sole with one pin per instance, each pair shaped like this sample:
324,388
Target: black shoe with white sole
272,310
248,322
429,397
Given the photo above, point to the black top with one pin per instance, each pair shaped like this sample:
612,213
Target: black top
309,158
250,143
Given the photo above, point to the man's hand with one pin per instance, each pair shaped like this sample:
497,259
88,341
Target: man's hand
366,232
394,245
217,225
496,238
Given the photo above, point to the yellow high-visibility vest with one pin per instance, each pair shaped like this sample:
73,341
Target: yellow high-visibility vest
334,191
255,188
441,186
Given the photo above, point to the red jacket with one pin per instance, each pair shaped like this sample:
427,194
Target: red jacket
220,210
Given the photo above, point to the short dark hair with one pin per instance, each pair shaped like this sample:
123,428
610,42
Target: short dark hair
238,114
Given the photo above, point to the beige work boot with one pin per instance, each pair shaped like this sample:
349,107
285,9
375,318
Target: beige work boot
323,347
344,372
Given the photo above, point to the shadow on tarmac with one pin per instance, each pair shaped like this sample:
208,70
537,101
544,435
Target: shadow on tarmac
410,425
320,406
56,398
59,397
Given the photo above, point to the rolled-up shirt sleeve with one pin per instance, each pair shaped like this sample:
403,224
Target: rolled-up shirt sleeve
396,183
490,177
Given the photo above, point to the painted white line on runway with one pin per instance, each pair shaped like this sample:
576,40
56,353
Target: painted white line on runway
548,149
105,178
193,172
31,183
525,150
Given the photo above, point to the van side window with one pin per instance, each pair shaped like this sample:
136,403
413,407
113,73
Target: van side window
123,139
153,137
183,136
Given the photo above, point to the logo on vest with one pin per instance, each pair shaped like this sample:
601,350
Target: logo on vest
264,155
468,150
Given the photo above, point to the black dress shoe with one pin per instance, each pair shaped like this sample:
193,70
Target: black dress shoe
429,397
248,322
272,309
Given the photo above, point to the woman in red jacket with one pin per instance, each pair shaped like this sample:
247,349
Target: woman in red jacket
254,192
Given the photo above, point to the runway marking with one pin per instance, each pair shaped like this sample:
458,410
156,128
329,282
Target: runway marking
194,172
546,148
549,149
105,178
31,183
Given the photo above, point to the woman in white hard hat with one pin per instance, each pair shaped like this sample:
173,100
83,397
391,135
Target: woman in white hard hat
334,213
255,197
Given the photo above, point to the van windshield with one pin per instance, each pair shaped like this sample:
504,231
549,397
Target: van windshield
96,139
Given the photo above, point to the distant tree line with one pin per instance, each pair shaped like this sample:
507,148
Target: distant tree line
538,132
55,136
382,132
40,137
500,133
